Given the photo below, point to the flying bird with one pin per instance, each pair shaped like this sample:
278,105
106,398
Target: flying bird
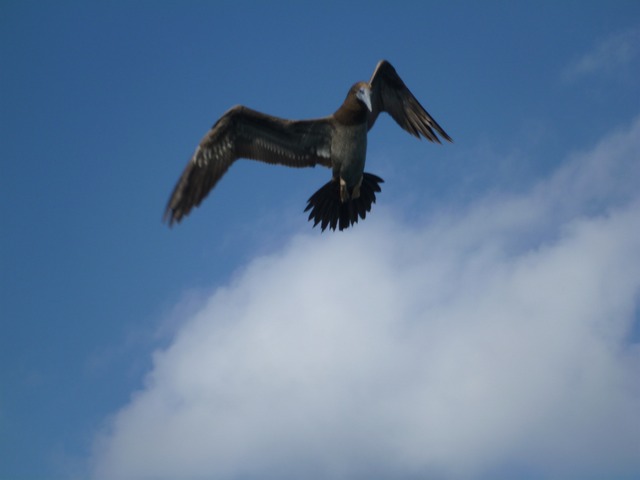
338,141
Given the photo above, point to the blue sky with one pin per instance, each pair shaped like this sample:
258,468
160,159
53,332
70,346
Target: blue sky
483,322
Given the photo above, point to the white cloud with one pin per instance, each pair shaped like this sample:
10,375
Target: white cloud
491,340
610,55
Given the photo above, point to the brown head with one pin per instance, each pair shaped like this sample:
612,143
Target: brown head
356,106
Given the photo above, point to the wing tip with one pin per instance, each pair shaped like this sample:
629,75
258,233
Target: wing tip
170,217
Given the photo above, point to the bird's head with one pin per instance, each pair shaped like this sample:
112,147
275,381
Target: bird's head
356,106
363,93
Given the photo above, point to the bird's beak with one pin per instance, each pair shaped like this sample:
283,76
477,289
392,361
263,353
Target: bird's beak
364,94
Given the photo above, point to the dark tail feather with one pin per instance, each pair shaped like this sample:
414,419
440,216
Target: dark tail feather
328,211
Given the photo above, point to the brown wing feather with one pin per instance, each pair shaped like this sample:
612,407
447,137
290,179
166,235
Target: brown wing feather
246,133
390,94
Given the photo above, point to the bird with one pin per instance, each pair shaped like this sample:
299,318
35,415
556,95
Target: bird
338,141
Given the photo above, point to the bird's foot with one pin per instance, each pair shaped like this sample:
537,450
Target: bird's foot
344,191
356,189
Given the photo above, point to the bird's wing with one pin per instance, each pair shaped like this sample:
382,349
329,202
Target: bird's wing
390,94
245,133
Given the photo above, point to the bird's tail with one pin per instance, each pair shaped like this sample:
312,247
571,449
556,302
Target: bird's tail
328,210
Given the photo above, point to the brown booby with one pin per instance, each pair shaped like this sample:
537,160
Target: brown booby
338,141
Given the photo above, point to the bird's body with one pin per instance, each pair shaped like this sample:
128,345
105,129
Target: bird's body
338,141
348,154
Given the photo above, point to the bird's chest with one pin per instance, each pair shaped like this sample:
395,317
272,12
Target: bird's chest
348,152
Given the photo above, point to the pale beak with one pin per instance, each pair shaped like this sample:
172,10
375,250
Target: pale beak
364,95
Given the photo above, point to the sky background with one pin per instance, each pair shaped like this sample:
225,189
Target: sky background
482,323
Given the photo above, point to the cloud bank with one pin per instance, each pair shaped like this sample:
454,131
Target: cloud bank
494,341
611,55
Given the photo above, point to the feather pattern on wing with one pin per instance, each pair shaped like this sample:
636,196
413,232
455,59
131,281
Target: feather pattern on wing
390,94
245,133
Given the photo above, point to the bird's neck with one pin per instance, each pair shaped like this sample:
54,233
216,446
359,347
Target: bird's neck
351,112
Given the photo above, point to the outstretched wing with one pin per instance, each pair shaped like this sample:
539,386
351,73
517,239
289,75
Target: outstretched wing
390,94
245,133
